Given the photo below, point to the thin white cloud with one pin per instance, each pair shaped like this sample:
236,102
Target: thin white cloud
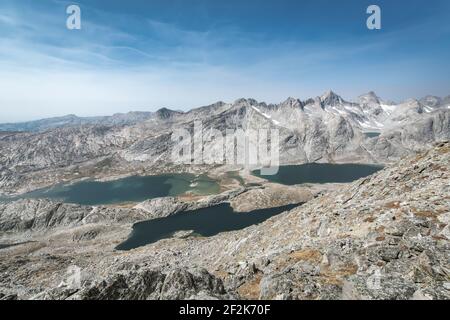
103,70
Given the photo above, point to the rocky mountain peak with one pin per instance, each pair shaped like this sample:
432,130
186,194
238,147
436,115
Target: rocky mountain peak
431,101
165,113
218,104
330,98
292,103
310,101
244,101
369,98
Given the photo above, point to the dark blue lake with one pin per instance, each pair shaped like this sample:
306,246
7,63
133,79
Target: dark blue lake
204,222
320,173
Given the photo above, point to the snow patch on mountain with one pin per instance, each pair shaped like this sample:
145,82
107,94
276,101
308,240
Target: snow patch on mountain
265,115
389,109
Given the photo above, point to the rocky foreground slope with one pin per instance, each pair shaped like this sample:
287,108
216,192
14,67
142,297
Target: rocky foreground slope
382,237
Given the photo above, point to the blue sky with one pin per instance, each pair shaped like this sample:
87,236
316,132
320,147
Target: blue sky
143,55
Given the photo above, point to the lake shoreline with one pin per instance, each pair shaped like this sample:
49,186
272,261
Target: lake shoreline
201,222
193,185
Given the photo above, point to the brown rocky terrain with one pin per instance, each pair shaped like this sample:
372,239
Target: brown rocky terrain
382,237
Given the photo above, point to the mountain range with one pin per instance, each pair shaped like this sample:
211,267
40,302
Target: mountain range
324,129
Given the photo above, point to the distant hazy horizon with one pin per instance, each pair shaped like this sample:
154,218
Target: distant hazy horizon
145,55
